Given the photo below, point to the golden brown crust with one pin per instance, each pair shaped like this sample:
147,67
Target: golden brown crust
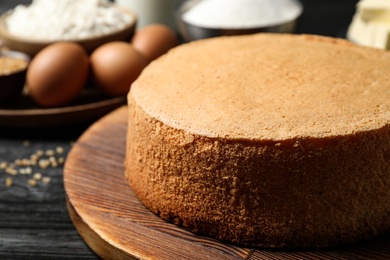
299,191
291,86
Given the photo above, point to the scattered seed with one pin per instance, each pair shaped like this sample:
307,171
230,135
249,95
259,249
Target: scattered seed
59,150
18,162
8,182
26,162
37,176
11,171
50,153
61,160
27,170
53,161
32,182
3,165
46,180
22,162
41,158
44,163
39,153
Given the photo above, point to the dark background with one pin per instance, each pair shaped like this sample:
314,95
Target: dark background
34,222
325,17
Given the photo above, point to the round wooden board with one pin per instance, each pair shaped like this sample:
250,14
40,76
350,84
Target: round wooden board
116,225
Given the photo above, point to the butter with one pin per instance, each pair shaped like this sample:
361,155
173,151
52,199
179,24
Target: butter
370,25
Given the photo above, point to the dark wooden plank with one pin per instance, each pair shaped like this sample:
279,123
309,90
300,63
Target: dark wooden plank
108,215
34,222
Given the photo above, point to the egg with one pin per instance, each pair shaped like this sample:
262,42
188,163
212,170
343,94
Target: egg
114,67
57,74
154,40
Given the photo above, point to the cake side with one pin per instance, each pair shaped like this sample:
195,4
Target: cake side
277,141
297,193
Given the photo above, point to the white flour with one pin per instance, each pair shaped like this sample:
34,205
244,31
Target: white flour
242,13
65,19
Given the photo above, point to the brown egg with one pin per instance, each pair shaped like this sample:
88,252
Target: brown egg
57,74
115,66
154,40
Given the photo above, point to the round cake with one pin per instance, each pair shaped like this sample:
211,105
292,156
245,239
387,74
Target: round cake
268,140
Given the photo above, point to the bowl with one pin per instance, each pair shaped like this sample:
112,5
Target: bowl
190,31
12,82
33,46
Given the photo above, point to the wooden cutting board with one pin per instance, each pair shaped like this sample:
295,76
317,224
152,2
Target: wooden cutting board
116,225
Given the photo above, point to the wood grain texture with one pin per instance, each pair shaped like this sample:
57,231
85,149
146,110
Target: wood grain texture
34,223
116,225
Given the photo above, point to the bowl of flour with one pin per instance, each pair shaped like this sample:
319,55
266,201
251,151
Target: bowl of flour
199,19
30,28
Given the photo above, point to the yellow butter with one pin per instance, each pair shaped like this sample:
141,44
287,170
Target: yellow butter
370,25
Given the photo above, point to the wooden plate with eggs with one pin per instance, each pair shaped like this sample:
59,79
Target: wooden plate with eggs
67,85
60,89
88,107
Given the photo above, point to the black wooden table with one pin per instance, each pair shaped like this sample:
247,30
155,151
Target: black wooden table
34,222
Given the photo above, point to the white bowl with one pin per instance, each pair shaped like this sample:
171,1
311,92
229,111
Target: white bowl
32,47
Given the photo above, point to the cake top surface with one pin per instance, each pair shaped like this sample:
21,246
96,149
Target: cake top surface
268,87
